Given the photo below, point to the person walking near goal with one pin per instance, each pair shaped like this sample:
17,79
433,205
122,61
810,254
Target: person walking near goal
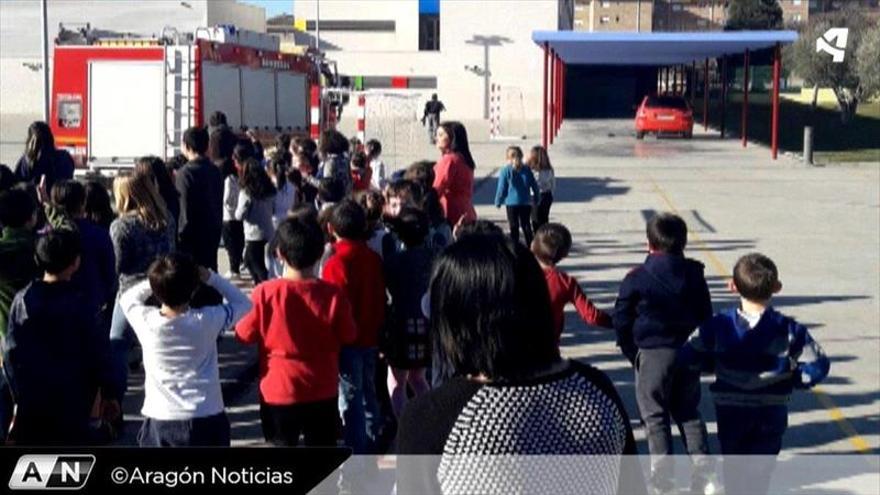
431,116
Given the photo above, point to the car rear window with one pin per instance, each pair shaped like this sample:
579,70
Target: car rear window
667,102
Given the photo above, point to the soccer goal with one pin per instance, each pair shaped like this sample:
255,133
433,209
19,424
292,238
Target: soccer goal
391,116
506,113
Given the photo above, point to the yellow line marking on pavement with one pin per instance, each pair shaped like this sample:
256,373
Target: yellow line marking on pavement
713,260
836,414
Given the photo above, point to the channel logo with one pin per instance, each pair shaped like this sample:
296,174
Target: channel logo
833,42
51,472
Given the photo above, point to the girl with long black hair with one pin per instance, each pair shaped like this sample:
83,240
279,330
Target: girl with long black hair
42,159
255,203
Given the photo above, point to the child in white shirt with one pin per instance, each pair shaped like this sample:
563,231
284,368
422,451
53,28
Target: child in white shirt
183,402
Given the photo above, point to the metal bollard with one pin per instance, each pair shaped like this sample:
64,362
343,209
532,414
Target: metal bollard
808,145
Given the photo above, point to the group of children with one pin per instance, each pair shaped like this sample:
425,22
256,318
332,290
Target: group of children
526,199
341,306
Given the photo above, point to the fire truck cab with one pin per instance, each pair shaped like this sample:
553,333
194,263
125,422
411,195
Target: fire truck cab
118,98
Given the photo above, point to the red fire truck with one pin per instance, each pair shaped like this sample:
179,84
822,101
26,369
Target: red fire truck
117,98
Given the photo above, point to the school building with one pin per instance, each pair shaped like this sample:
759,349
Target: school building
465,51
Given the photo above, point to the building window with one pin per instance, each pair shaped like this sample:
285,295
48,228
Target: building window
605,5
676,7
796,2
429,25
605,19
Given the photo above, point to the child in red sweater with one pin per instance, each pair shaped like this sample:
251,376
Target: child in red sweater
357,270
361,173
300,323
551,245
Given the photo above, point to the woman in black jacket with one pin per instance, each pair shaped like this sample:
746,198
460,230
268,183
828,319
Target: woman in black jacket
512,399
42,159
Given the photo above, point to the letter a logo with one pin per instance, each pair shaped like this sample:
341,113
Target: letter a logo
833,42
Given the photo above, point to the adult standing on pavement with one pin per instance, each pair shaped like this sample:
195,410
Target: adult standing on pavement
431,116
41,158
200,184
512,394
454,174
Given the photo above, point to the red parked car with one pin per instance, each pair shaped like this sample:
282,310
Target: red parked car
664,114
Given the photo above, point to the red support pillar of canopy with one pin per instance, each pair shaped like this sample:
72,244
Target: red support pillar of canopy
745,103
774,124
558,93
552,115
555,94
544,115
706,97
562,95
559,100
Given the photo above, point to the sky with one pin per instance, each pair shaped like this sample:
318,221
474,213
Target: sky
275,7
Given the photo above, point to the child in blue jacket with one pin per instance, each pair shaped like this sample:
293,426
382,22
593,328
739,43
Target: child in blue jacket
759,356
516,184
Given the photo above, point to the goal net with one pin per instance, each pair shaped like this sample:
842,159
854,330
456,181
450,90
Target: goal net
393,118
506,113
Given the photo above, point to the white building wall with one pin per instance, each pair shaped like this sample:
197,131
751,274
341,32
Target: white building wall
405,13
515,62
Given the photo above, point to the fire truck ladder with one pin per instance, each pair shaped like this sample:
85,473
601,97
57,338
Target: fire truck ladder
180,68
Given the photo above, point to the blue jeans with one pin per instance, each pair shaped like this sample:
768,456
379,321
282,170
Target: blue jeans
121,338
358,405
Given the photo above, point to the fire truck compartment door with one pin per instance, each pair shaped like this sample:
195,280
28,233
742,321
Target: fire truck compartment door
221,84
292,99
258,98
126,109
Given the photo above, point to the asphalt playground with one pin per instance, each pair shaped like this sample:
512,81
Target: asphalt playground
821,225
